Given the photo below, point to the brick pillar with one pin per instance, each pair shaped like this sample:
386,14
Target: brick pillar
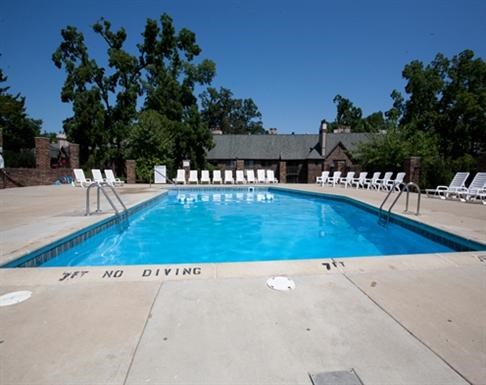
240,164
131,175
282,171
73,155
42,158
412,168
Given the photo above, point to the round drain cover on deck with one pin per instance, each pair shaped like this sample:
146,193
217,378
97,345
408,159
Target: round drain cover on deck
14,297
280,283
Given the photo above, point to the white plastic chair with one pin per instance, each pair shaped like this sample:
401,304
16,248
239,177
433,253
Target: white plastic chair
217,177
396,182
228,177
360,180
97,176
371,182
334,178
383,183
323,178
181,176
111,180
475,189
79,179
193,177
261,176
250,176
457,184
240,177
348,179
205,177
271,177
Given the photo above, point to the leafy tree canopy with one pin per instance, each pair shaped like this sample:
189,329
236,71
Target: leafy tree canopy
104,100
230,115
17,127
442,119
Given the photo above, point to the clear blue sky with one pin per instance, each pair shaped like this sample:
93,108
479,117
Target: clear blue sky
291,57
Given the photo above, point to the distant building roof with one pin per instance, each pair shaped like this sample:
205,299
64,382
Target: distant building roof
349,140
285,147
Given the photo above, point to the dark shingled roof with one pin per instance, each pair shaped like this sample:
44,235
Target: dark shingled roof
285,147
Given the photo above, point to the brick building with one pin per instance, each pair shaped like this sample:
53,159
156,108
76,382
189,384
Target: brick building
295,158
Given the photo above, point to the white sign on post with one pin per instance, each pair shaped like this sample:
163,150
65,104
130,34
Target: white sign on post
160,173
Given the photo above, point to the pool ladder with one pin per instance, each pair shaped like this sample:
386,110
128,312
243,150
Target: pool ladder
101,187
384,216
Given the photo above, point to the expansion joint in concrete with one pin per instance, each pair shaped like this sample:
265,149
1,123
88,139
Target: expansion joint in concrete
142,333
406,329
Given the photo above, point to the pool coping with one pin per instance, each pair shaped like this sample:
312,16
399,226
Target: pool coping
40,255
53,249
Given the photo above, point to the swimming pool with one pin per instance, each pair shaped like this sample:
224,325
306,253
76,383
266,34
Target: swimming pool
237,225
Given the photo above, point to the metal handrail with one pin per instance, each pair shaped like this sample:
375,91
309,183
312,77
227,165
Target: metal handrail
101,187
386,198
405,188
411,184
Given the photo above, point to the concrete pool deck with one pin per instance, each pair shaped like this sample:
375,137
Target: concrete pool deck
394,320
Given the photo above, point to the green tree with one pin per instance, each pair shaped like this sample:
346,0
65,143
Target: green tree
448,98
230,115
347,115
104,104
151,143
169,81
105,99
18,129
388,151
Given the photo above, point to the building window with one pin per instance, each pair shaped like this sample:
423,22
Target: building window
249,163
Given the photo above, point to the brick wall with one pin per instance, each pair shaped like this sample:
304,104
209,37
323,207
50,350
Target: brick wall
412,168
337,156
42,158
74,155
131,175
282,171
20,177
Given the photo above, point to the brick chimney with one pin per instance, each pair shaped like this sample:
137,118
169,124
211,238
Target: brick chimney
322,137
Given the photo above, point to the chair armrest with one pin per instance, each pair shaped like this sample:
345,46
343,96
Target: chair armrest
442,188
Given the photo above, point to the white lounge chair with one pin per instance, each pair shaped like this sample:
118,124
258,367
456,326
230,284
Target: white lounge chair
250,176
383,183
397,182
193,177
261,176
371,182
271,177
457,184
228,177
348,179
181,176
205,177
334,179
323,178
240,177
360,180
97,176
217,177
111,180
79,179
475,189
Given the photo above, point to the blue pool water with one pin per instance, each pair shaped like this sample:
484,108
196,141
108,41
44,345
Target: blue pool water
241,226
